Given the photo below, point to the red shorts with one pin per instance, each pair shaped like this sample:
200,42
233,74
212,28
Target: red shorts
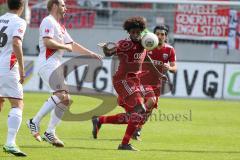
130,102
129,93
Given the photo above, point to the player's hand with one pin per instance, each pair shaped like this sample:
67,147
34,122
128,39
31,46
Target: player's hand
109,48
22,76
164,77
166,67
69,47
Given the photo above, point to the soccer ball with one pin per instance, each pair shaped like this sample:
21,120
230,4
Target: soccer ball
149,41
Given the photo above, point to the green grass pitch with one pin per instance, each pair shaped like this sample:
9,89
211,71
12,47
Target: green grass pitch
199,130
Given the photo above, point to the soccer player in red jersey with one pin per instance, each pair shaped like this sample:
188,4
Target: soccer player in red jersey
164,59
126,82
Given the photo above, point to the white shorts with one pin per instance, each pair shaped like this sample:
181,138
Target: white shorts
10,87
53,79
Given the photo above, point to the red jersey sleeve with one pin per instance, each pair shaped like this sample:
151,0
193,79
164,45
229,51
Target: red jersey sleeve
172,56
124,46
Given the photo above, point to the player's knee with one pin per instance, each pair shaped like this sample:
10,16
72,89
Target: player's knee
61,95
1,103
152,101
21,104
16,103
64,98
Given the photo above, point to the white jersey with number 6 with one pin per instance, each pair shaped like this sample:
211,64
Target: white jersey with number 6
10,26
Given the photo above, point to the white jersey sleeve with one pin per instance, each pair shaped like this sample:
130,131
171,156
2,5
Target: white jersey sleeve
20,29
47,29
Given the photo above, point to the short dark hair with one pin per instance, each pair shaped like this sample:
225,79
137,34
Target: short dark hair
50,4
134,22
161,27
15,4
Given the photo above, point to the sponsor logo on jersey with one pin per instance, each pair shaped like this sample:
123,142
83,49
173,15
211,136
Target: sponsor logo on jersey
4,21
47,31
20,30
165,56
137,55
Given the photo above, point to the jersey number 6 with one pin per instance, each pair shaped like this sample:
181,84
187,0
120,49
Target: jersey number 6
3,37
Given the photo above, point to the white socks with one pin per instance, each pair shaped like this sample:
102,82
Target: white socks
14,123
56,113
47,107
56,116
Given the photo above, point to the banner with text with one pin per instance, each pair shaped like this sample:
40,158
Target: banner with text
201,80
201,22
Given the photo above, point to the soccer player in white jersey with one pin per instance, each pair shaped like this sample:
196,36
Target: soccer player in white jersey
53,40
12,29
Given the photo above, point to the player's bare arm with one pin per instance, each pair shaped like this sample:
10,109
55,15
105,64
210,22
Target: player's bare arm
171,67
52,44
17,49
84,51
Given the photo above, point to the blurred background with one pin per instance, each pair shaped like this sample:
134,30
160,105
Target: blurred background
205,35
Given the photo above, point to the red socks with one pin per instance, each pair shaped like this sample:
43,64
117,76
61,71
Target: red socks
134,121
121,118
